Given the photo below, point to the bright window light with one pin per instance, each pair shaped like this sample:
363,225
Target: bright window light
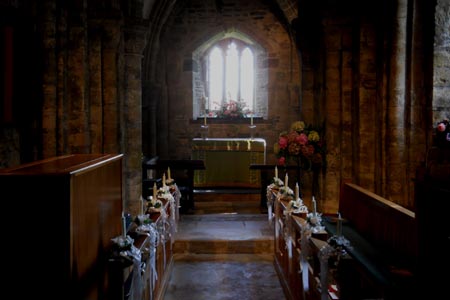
247,77
215,78
231,75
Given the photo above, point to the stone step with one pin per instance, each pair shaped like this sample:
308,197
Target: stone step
225,196
263,246
224,234
217,207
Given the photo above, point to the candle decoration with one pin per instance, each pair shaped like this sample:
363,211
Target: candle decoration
154,192
168,174
314,206
286,180
296,191
339,225
276,172
124,226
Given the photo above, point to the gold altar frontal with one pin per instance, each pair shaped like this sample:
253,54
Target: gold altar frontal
228,160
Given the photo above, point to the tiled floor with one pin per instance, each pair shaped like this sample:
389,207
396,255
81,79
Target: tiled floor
224,256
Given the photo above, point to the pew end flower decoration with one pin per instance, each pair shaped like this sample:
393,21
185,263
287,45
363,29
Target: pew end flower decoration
302,145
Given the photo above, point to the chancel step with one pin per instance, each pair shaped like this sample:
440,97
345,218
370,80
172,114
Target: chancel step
224,234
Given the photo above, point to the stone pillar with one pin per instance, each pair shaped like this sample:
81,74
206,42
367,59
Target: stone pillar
151,94
77,105
95,86
49,116
111,83
396,183
441,89
134,43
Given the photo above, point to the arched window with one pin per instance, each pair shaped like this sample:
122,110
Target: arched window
230,74
230,78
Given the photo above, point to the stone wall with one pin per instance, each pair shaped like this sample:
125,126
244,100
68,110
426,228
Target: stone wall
357,66
354,62
377,77
441,82
188,28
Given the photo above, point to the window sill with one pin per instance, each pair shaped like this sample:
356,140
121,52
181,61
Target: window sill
246,121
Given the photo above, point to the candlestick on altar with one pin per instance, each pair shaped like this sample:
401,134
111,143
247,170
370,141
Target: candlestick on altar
339,225
286,181
251,119
314,206
276,172
204,120
168,173
164,180
296,191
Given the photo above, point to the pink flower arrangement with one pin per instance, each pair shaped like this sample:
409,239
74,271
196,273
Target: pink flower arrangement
232,110
302,144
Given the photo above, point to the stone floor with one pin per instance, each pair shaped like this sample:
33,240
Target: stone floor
224,256
237,276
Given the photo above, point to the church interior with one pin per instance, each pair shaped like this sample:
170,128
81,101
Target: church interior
226,149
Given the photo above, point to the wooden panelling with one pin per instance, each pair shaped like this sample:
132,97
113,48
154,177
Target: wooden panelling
72,206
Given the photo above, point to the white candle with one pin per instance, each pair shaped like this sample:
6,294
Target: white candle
286,181
204,120
314,206
164,179
168,173
296,191
339,225
124,226
251,120
276,172
154,191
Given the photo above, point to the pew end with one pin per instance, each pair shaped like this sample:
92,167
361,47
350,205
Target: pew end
384,245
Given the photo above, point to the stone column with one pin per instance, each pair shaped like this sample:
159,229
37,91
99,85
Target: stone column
94,62
112,78
49,109
396,183
134,43
441,55
151,95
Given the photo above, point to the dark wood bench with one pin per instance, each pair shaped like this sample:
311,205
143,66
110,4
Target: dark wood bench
182,172
267,172
384,245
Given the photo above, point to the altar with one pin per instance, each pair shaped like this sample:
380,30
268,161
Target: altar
227,162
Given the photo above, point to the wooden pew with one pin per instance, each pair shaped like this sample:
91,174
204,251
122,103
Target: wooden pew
384,245
185,181
381,221
267,172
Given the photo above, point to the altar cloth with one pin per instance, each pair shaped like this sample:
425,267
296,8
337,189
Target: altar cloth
227,161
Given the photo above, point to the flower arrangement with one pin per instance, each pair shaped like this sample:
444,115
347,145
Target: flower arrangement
302,145
231,110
